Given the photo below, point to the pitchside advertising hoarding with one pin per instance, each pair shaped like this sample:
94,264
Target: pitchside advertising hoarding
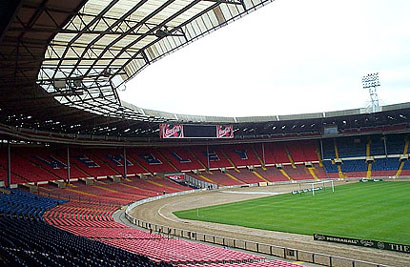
195,131
364,243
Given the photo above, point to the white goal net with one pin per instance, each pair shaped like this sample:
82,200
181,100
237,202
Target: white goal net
316,186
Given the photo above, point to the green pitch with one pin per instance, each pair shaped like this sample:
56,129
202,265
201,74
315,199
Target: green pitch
373,210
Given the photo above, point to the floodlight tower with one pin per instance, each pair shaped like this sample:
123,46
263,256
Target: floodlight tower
371,82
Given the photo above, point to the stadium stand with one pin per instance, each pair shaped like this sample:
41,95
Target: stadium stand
274,153
22,204
351,146
18,244
385,167
273,174
406,168
395,144
303,151
61,92
91,165
35,243
39,164
241,155
212,155
274,263
377,146
96,222
249,176
182,159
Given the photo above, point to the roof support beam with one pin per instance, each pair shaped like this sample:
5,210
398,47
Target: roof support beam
229,2
89,31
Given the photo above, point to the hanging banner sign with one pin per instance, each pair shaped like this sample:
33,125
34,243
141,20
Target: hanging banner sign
224,131
171,131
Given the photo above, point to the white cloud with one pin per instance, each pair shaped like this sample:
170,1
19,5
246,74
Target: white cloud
289,57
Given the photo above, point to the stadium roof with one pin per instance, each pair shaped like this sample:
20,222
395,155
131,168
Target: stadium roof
81,52
62,62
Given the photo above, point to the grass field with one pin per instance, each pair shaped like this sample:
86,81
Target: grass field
373,210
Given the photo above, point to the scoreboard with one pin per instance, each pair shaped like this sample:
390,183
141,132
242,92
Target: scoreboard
195,131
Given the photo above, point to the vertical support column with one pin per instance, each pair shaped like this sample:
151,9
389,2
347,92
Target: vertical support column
385,145
263,154
322,156
125,163
68,165
321,148
8,164
207,156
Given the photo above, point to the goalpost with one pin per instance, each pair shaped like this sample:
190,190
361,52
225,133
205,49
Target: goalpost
323,185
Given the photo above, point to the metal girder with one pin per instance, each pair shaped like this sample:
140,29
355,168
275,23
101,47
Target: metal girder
7,15
232,2
105,10
69,31
114,57
136,26
164,22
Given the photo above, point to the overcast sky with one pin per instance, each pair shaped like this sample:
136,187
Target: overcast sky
289,57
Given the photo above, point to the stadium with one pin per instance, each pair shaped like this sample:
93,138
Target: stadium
87,179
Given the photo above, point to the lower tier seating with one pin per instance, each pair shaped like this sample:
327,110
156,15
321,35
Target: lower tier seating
26,240
180,251
274,263
35,243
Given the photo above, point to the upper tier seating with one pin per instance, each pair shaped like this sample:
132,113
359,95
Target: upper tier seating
273,153
114,159
395,144
241,155
328,149
351,146
211,155
303,151
42,164
150,160
181,158
377,146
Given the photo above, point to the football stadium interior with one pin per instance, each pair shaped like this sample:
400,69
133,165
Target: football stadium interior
87,179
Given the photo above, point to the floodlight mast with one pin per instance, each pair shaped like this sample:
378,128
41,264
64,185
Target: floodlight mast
371,82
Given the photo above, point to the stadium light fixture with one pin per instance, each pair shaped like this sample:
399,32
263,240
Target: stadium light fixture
371,81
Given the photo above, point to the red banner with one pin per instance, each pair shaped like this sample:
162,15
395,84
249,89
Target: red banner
224,131
171,131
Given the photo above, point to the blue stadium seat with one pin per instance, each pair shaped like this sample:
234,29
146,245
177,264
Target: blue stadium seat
377,146
354,166
395,144
386,164
330,168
